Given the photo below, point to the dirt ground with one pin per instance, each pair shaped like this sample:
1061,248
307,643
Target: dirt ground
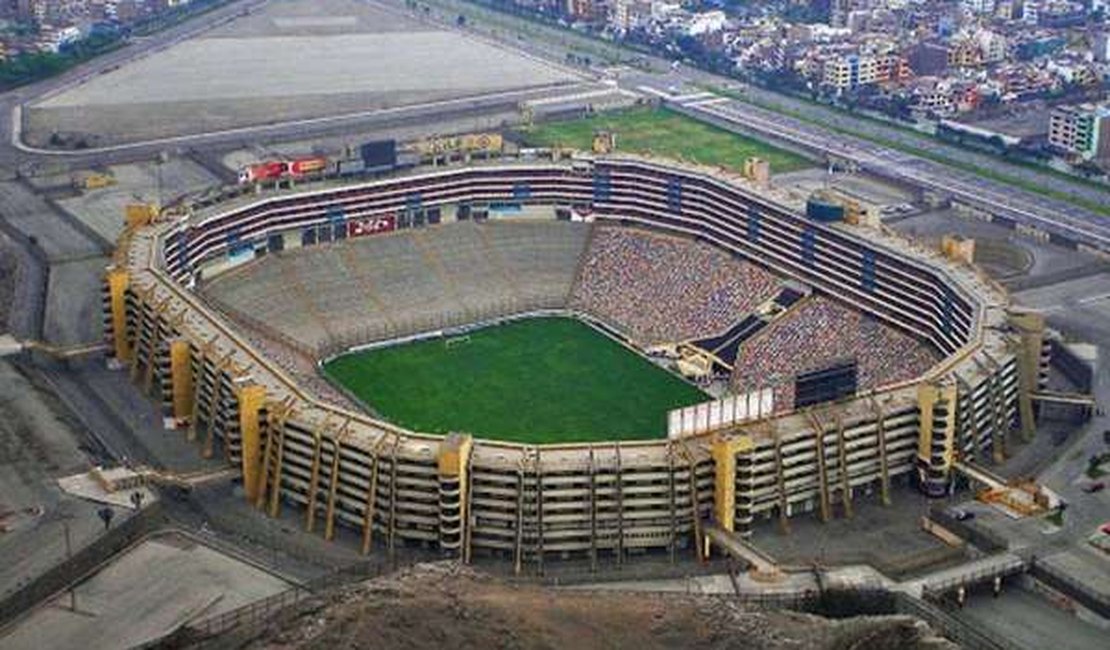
445,605
291,60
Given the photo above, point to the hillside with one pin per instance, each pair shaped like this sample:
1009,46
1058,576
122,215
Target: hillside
444,605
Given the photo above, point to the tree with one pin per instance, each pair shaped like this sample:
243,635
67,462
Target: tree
106,514
461,21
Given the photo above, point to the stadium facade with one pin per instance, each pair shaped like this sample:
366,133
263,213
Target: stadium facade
537,503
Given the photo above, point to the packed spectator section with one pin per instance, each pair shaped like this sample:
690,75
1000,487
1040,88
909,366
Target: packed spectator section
659,288
818,333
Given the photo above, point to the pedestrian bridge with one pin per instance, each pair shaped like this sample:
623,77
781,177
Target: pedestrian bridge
956,580
762,566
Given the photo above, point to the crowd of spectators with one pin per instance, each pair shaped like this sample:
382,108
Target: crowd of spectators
665,289
820,333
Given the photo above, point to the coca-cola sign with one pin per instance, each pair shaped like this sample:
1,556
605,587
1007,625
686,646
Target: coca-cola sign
371,225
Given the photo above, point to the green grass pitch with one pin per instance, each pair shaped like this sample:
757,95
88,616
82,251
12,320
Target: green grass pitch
665,133
542,380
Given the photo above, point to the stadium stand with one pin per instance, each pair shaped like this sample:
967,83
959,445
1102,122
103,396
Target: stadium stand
375,288
664,289
819,333
530,504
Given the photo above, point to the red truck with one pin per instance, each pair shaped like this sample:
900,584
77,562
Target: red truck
274,169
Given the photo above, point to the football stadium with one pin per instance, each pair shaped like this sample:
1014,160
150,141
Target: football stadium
565,356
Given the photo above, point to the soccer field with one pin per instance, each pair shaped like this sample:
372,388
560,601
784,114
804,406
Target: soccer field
663,132
541,380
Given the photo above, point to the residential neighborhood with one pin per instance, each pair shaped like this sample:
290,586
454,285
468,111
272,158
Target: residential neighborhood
1005,75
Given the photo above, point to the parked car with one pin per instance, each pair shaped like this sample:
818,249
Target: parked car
962,515
1091,488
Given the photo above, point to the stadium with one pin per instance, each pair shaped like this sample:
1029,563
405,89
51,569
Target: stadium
805,365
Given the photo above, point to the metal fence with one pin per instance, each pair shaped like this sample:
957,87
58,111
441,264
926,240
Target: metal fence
936,589
965,634
231,627
249,618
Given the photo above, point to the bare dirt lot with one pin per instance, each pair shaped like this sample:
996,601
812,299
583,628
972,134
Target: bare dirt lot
444,605
290,60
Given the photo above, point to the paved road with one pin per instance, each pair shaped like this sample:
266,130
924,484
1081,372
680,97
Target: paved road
13,157
1023,618
1029,208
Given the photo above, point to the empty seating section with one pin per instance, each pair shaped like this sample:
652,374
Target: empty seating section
323,299
542,259
469,271
818,333
396,270
663,289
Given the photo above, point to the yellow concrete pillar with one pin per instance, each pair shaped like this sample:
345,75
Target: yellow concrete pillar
118,282
181,381
936,444
1031,327
724,484
251,397
926,397
137,215
452,462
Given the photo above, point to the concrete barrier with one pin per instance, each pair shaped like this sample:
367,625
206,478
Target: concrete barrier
1082,593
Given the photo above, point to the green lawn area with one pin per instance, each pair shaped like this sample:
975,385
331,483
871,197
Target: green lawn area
542,380
665,133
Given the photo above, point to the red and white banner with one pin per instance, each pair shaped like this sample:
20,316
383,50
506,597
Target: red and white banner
371,225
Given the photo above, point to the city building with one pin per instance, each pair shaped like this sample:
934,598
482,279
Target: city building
1082,131
851,72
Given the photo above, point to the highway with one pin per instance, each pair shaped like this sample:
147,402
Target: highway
1023,207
